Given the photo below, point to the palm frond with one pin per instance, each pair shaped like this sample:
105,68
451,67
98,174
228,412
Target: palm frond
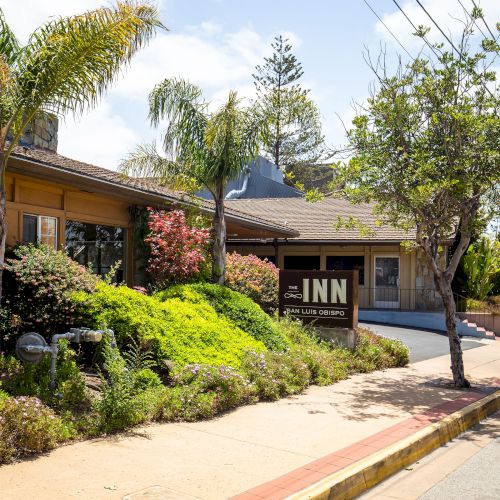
232,139
9,46
145,161
179,102
70,62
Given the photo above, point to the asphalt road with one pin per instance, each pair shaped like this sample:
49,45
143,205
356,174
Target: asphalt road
477,478
422,344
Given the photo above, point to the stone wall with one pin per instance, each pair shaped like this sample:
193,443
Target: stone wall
426,296
42,133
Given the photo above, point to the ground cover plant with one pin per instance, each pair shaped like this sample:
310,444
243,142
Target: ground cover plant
190,352
234,306
180,331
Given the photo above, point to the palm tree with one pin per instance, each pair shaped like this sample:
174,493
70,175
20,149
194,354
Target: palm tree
66,66
209,148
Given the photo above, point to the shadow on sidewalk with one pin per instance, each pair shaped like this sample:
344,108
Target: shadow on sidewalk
409,392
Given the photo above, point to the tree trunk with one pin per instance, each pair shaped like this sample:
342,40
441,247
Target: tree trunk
3,219
219,239
3,225
457,363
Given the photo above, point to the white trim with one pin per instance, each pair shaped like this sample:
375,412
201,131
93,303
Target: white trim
39,226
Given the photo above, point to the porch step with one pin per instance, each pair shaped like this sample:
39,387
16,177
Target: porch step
477,331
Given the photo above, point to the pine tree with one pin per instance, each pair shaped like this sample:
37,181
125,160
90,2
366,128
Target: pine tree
295,140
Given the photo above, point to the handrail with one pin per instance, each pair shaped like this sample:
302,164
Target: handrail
396,298
481,314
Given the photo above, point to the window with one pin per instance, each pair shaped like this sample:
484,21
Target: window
302,262
347,263
98,246
40,229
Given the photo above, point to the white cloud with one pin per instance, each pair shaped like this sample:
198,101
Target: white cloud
206,54
446,13
25,16
213,62
100,137
208,28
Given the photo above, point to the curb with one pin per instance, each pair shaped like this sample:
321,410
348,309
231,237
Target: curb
367,472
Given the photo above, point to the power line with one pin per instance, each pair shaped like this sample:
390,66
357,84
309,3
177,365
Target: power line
484,20
387,28
415,28
472,18
439,28
459,52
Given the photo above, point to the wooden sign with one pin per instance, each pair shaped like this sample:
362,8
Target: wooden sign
325,298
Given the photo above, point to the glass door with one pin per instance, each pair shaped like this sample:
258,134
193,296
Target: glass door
387,293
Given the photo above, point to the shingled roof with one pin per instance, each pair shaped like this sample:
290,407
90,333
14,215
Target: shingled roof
315,221
119,181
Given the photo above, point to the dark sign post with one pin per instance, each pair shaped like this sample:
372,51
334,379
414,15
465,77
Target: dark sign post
325,298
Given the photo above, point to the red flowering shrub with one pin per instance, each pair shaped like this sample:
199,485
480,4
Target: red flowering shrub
253,277
177,250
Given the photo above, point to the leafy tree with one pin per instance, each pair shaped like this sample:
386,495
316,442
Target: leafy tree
67,64
209,147
427,151
295,140
481,264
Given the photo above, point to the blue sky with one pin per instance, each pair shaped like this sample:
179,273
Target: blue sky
217,43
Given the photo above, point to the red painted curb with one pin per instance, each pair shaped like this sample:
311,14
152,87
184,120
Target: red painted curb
313,472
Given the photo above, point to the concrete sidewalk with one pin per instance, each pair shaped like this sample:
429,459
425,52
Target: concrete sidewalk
250,446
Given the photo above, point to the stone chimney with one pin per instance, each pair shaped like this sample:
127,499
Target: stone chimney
41,133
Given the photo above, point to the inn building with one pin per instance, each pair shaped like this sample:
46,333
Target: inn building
91,212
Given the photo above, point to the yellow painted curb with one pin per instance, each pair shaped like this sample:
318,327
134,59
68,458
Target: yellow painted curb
367,472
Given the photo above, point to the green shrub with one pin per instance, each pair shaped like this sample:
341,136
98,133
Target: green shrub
374,352
128,397
481,266
203,391
237,308
326,366
329,363
3,396
33,380
145,378
253,277
9,368
38,286
183,332
276,374
27,426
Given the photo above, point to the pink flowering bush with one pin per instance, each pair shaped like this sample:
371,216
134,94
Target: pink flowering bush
253,277
38,288
27,426
177,250
202,391
276,374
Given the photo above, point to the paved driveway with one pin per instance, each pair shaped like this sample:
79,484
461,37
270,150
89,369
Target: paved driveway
422,344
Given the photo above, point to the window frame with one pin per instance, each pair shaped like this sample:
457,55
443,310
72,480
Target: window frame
99,243
39,228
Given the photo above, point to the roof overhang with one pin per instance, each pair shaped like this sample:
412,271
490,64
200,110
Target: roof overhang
239,223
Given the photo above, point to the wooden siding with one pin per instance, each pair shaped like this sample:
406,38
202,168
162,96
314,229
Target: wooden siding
28,196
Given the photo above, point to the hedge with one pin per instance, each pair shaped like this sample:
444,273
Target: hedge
184,332
243,312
